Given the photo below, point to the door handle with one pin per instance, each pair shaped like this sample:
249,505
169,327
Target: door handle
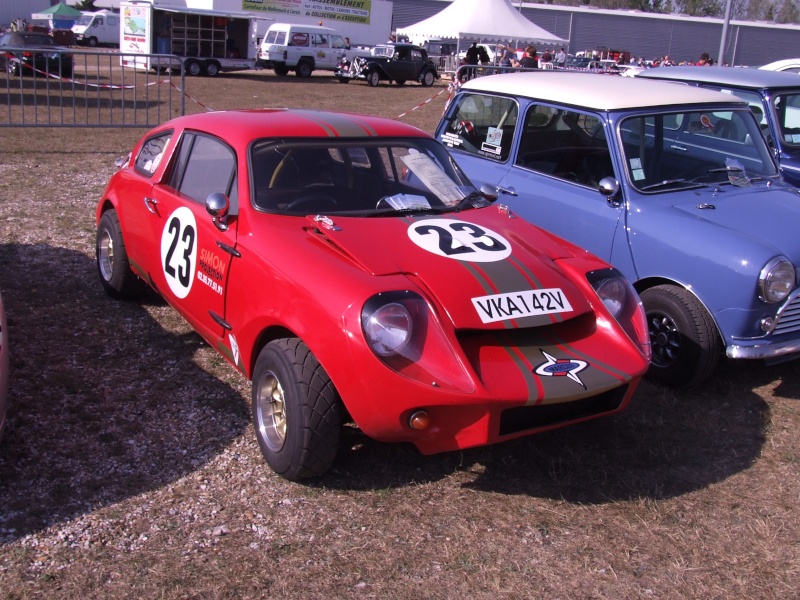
150,204
510,191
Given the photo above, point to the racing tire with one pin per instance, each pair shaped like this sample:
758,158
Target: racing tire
193,68
685,342
281,70
373,78
212,68
428,78
297,413
113,266
304,69
400,81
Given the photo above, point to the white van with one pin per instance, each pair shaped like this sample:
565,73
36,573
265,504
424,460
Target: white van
300,48
94,28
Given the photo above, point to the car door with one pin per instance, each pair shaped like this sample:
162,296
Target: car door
195,250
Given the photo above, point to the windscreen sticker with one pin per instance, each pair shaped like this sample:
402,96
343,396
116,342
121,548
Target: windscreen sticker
562,367
636,169
515,305
459,240
179,251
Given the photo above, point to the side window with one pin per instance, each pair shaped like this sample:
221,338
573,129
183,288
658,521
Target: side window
112,21
152,152
337,42
205,166
565,144
482,125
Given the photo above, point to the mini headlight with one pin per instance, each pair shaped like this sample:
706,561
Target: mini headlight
388,328
776,280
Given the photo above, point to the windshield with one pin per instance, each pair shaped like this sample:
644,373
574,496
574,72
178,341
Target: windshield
666,152
85,20
787,109
360,177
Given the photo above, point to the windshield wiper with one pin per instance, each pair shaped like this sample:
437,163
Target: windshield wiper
668,182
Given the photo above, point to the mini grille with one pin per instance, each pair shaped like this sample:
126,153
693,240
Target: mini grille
789,318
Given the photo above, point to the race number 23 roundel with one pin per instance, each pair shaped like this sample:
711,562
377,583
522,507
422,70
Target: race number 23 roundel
459,240
179,251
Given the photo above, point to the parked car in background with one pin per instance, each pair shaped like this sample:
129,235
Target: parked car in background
348,268
792,65
301,48
773,97
396,63
672,184
31,53
3,367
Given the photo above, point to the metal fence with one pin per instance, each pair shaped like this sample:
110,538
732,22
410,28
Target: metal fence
86,88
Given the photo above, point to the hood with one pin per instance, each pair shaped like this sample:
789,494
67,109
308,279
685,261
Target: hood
759,216
484,269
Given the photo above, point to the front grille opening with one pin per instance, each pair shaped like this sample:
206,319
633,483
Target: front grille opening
523,418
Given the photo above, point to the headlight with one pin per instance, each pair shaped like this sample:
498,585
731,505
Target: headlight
618,296
776,280
388,329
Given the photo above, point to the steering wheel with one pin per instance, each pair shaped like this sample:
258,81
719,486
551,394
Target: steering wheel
316,200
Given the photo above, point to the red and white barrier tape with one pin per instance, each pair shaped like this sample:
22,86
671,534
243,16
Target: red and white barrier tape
420,105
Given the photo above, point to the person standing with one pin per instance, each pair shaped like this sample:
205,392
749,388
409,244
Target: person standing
530,60
561,58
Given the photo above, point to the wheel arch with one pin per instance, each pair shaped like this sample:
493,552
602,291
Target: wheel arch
650,282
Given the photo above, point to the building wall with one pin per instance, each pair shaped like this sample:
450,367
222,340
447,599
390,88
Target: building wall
642,34
20,9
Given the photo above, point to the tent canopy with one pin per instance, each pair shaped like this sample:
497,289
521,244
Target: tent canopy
485,20
58,11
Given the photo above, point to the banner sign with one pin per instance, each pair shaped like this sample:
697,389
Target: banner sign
348,11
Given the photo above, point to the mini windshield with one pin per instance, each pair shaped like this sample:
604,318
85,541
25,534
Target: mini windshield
359,177
666,152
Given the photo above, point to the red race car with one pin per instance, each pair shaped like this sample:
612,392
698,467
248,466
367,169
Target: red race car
346,266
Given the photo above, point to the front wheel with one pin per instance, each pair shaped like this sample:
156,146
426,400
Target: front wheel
93,42
685,342
112,259
428,79
344,79
297,413
374,78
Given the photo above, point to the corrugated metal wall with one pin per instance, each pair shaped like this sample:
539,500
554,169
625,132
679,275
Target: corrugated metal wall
648,36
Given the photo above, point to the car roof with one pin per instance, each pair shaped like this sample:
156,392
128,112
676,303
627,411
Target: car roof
240,127
731,76
594,91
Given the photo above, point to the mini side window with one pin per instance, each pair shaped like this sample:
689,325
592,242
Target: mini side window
152,152
205,166
482,125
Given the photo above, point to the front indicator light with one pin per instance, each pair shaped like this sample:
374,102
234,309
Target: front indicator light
419,420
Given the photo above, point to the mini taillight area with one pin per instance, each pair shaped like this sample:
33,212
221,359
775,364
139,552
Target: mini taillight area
419,420
618,296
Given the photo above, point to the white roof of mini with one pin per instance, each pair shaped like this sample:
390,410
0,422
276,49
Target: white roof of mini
595,91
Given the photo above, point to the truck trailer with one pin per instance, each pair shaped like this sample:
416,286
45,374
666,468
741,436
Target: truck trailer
205,41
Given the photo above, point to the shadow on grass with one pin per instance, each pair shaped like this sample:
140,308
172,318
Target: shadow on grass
104,404
664,445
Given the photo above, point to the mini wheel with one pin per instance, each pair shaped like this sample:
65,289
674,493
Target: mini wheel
112,259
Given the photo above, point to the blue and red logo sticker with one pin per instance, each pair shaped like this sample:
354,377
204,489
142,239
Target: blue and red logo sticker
562,367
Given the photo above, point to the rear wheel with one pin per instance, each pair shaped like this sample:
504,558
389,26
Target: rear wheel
297,412
112,259
281,70
374,78
193,68
343,79
212,68
685,342
304,69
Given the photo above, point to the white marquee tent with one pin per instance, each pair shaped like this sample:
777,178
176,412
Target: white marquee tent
479,20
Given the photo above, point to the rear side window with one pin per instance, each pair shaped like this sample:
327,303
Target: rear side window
152,152
482,125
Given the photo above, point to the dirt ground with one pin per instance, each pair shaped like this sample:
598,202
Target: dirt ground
129,467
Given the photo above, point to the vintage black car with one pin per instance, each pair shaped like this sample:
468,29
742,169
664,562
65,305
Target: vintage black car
393,62
29,53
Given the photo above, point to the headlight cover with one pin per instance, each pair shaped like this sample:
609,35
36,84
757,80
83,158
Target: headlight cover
618,296
776,280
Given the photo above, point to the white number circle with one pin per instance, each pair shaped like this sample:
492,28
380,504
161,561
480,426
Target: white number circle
459,240
179,251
